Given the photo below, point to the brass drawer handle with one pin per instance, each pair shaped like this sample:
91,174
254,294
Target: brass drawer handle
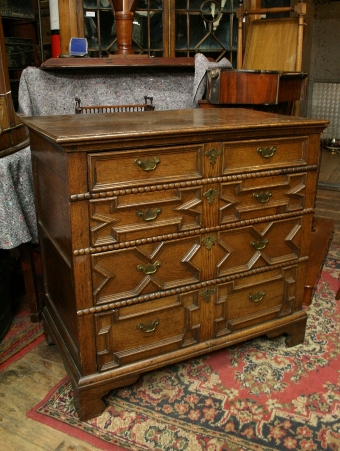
257,297
149,164
263,198
148,327
267,152
149,268
149,215
212,154
259,245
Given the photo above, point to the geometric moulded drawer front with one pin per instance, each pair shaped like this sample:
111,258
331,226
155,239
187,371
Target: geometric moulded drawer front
141,215
132,168
144,269
139,331
258,245
247,301
262,196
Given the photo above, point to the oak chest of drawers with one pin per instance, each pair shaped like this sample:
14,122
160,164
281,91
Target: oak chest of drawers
165,235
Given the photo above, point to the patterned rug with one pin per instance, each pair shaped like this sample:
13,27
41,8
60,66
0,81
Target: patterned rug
258,395
22,336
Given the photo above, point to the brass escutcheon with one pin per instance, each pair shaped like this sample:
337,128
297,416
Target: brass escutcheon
212,154
207,293
150,268
148,327
149,215
267,152
210,195
257,297
263,198
259,245
148,164
209,241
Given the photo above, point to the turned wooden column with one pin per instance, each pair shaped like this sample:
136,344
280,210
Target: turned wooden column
13,133
124,14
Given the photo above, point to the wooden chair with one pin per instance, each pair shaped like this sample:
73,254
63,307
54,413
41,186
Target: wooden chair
272,44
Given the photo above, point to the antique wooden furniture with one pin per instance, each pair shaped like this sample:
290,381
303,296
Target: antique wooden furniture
269,75
272,44
168,234
322,234
146,106
161,29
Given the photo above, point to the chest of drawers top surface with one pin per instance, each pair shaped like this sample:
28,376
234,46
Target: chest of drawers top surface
137,128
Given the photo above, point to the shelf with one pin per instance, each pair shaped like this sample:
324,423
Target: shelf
116,61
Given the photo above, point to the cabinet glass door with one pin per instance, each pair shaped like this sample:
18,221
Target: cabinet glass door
169,27
100,28
208,27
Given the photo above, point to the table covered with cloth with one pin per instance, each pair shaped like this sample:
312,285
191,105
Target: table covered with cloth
53,92
17,209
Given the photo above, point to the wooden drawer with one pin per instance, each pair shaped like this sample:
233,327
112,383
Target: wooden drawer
258,245
252,156
140,331
141,215
112,170
145,269
262,196
251,300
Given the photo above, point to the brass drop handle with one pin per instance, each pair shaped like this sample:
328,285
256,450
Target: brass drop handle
150,268
149,215
259,245
257,297
149,164
263,198
148,327
267,152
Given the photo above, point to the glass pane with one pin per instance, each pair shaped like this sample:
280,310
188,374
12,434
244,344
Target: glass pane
156,30
181,31
90,3
229,5
106,29
104,4
221,29
195,4
198,29
276,3
142,4
140,30
156,4
181,4
91,32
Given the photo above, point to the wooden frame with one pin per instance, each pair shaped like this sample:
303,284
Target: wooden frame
299,9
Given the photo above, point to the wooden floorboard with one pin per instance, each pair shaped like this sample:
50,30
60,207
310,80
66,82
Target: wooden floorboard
22,385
